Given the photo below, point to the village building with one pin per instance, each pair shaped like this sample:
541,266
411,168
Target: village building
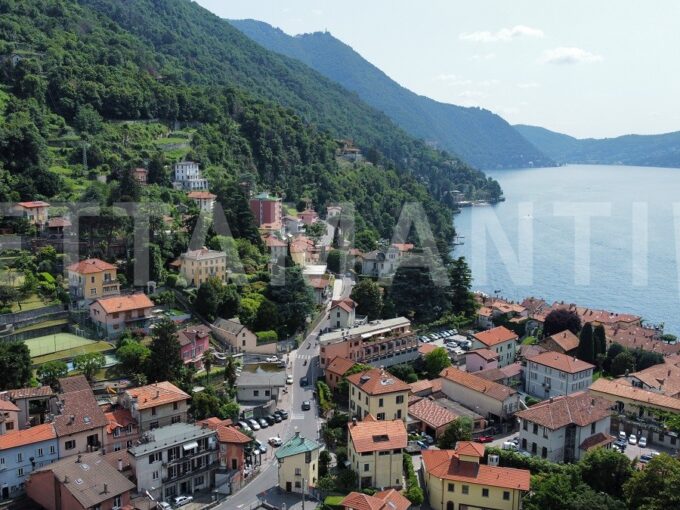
92,279
457,480
238,338
663,378
82,482
565,342
176,459
267,209
34,404
292,224
390,499
140,175
196,266
298,464
277,248
384,263
433,415
378,393
342,313
375,451
204,200
194,341
113,315
9,416
426,387
480,359
500,340
156,405
382,342
336,370
551,374
259,387
188,177
56,226
563,429
232,452
122,431
35,212
308,216
509,375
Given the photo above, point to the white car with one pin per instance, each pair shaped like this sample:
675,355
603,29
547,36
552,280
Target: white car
272,359
275,441
622,435
183,500
632,439
642,442
289,379
162,505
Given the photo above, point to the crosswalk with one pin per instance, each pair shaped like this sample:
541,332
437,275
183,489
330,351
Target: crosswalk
305,356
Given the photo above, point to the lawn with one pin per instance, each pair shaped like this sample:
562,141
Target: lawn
31,303
72,353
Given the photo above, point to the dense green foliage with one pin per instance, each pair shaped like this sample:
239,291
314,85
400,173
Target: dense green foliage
15,365
478,136
459,429
641,150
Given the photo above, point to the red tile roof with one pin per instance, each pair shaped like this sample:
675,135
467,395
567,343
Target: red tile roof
371,435
21,393
424,349
431,413
90,266
34,204
7,406
596,440
470,448
421,386
201,195
495,336
36,434
377,382
561,362
80,413
119,418
580,409
486,354
618,388
383,500
231,435
346,304
190,334
157,394
58,222
567,340
73,383
445,464
339,366
479,384
115,304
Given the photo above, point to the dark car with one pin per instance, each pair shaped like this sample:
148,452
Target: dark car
270,420
306,405
283,414
304,381
277,418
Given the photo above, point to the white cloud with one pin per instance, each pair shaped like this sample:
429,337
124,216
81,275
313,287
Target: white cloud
471,94
483,56
569,55
528,85
452,79
504,34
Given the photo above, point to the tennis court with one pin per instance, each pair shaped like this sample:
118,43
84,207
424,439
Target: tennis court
49,344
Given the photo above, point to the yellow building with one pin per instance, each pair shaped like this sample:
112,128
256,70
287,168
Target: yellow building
457,480
92,279
375,451
379,394
36,212
196,266
298,460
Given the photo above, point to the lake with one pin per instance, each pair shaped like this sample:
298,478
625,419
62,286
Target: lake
536,242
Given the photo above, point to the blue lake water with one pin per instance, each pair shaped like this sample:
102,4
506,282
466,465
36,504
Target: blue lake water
630,264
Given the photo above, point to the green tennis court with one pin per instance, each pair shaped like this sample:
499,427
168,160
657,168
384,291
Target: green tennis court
49,344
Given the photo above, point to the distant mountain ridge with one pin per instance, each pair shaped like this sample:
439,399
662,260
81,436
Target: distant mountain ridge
480,137
639,150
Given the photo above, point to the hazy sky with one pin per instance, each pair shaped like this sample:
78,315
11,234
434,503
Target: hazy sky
586,68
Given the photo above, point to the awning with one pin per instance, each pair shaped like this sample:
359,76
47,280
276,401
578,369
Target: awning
190,446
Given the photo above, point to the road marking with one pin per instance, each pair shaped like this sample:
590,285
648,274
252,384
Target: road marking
297,416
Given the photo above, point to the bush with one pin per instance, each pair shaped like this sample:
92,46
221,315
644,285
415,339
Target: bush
267,337
414,492
325,396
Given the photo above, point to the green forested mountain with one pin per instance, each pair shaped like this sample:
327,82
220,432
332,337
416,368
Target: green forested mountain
478,136
643,150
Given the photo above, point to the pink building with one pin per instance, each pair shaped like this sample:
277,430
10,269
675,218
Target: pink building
122,431
194,341
480,359
267,209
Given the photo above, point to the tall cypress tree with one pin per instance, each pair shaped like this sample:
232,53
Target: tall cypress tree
600,340
586,349
165,361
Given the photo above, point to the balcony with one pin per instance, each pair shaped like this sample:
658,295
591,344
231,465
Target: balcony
111,288
191,472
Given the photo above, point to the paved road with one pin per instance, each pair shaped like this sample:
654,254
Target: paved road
303,363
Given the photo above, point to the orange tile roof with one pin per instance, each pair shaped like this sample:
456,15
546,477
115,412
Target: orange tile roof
470,448
579,409
339,366
596,440
231,435
274,242
346,304
90,266
119,418
318,282
201,195
561,362
72,383
486,354
36,434
431,413
495,336
420,386
377,382
424,349
34,204
7,406
567,340
371,435
479,384
393,499
383,500
115,304
618,388
157,394
445,464
58,222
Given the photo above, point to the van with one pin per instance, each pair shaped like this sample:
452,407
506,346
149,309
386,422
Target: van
509,445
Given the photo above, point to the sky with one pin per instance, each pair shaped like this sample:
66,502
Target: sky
584,68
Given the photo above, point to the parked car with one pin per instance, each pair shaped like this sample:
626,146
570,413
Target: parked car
244,426
484,439
254,424
632,439
270,420
644,459
162,505
304,381
289,379
621,444
423,445
642,443
183,500
263,423
275,441
261,447
306,405
622,435
277,418
272,359
509,445
282,413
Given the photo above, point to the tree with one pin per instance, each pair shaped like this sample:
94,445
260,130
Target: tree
566,491
229,302
559,320
133,356
49,373
316,231
89,364
599,340
209,298
165,361
293,298
87,120
230,372
368,297
334,261
462,300
436,360
208,358
415,293
326,483
624,361
586,348
404,372
612,352
606,470
656,486
324,462
229,409
204,404
459,429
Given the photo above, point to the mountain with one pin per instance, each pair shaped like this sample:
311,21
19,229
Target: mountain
478,136
640,150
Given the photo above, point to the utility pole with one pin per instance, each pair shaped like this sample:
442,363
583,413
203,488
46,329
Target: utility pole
303,493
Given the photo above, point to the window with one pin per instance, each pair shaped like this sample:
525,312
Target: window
39,452
117,501
199,480
400,399
153,425
381,402
485,493
175,419
20,457
308,457
20,472
534,448
525,424
153,411
366,467
175,406
380,416
535,429
70,445
452,487
154,475
399,414
298,472
256,393
298,484
506,495
466,489
544,452
9,425
449,505
545,432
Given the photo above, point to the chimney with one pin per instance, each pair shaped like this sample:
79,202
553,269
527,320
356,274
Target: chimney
551,400
354,421
78,460
120,464
66,480
158,393
592,401
71,419
106,488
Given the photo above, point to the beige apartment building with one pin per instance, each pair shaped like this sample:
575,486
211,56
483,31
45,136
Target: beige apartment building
92,279
298,461
156,405
378,393
196,266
